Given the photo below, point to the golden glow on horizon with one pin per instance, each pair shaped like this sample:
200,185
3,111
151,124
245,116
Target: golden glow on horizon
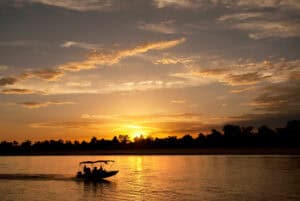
133,131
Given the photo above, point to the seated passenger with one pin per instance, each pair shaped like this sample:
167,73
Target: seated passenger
94,172
86,171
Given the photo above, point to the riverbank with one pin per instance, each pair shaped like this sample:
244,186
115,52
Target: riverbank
187,151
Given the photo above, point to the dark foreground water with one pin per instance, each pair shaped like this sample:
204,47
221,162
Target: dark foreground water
153,178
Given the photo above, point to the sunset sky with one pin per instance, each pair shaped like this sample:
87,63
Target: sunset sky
75,69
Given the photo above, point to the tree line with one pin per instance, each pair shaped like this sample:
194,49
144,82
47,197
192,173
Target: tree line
230,136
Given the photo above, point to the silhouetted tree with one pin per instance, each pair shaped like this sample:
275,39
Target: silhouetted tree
187,141
201,139
26,146
215,138
234,135
232,131
124,139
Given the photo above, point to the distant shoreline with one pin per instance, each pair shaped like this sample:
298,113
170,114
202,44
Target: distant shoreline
189,151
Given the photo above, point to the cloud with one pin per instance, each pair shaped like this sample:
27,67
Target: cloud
264,24
8,81
241,73
279,98
81,84
141,86
250,78
111,57
241,16
87,46
174,3
174,60
274,120
244,89
66,125
86,5
18,91
291,4
101,88
3,67
156,117
166,27
32,104
178,101
270,29
94,59
229,4
274,103
45,74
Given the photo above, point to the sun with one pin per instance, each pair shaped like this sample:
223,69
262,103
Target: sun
136,131
136,135
133,131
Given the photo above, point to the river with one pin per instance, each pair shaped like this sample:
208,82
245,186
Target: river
211,177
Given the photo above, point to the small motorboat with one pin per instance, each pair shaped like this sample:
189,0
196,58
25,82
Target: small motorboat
92,173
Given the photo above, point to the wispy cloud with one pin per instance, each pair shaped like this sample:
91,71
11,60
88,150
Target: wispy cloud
8,81
67,125
260,25
83,45
80,84
141,86
241,90
229,4
241,76
241,16
294,4
166,27
278,98
94,59
270,29
86,5
44,74
174,60
19,91
178,101
174,3
3,67
33,105
243,73
111,57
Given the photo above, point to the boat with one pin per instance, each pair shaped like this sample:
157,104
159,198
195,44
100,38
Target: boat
90,171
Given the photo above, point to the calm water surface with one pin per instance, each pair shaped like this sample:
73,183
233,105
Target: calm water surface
153,178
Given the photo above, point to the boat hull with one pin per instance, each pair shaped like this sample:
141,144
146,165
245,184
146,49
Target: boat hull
100,176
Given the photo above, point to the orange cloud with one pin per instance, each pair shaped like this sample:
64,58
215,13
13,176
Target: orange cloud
45,74
94,59
32,104
243,73
21,91
111,57
8,81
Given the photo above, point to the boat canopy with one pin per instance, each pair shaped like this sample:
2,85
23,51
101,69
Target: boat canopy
99,161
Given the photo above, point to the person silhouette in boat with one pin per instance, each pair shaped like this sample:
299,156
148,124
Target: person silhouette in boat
94,172
86,170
